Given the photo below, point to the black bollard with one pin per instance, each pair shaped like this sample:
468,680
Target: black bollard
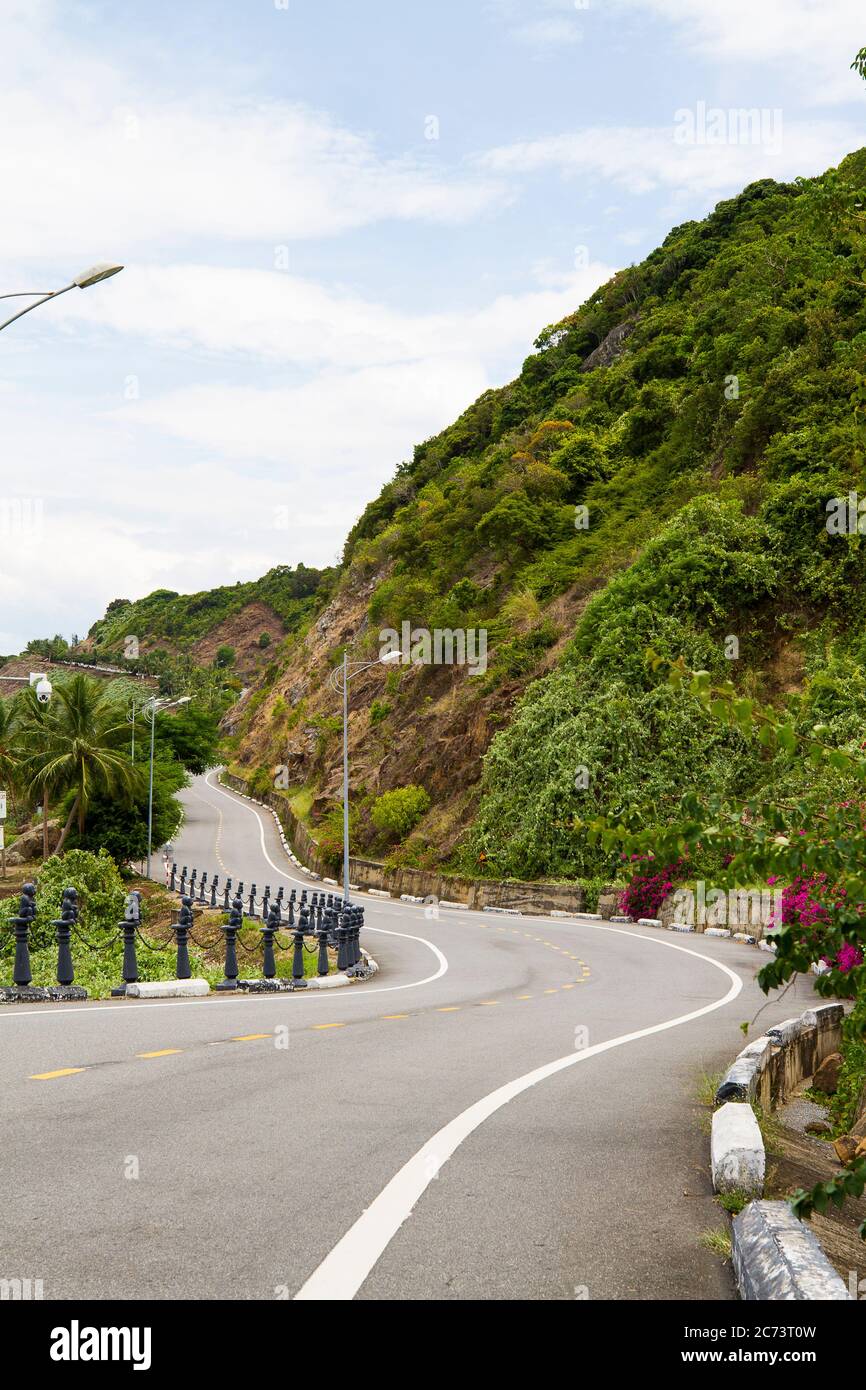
171,885
266,903
303,895
193,878
21,973
272,925
213,890
342,942
226,891
63,929
202,889
182,887
131,918
230,931
323,965
298,956
291,906
252,911
182,930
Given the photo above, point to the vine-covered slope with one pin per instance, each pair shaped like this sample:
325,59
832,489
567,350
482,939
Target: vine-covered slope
657,476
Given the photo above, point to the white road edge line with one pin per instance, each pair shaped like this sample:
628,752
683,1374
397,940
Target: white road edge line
344,1270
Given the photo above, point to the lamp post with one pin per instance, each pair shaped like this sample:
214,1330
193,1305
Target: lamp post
93,276
44,690
342,687
150,709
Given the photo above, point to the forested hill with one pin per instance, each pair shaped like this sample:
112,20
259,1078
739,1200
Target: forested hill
238,625
658,475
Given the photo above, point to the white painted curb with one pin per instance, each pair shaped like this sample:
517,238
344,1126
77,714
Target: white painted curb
737,1154
167,989
777,1257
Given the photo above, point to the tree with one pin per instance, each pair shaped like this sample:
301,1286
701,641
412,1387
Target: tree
225,656
9,753
120,827
78,744
859,63
192,737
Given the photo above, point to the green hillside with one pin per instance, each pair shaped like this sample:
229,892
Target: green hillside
704,407
178,622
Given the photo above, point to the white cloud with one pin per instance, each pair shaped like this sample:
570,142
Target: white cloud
814,41
121,168
647,158
282,318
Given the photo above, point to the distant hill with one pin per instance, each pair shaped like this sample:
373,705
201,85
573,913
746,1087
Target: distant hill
250,618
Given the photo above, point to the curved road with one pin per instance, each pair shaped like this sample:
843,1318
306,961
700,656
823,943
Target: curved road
506,1111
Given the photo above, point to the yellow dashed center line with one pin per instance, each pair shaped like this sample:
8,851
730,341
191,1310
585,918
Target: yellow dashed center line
388,1018
491,1002
524,996
50,1075
166,1052
449,1009
319,1026
252,1037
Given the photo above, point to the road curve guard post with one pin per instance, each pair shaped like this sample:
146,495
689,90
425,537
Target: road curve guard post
226,894
191,887
268,931
266,903
323,933
63,934
252,912
172,880
129,927
202,891
214,889
230,931
298,955
21,972
182,888
182,930
342,941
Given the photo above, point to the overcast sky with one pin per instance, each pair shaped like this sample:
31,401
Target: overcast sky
340,222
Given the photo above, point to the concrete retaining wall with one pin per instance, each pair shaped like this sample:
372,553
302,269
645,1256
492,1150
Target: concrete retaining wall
421,883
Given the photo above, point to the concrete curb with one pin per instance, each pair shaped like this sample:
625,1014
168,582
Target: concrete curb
776,1257
167,989
737,1155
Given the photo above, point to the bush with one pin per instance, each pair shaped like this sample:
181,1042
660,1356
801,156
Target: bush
101,894
397,812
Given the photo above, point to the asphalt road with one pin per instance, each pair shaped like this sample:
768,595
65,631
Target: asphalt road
506,1111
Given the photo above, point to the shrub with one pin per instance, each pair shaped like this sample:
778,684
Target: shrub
397,812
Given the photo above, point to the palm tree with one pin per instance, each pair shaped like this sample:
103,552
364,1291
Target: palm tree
77,744
9,751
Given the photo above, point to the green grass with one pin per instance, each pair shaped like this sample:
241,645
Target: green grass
718,1242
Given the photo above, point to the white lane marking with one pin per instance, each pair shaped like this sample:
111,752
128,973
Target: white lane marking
344,1270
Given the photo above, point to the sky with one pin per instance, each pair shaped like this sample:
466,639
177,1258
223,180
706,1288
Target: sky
340,223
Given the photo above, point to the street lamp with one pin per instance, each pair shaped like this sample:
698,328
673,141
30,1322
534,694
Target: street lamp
103,271
150,709
342,688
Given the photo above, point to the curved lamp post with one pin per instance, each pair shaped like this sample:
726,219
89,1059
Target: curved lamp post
103,271
150,709
348,671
